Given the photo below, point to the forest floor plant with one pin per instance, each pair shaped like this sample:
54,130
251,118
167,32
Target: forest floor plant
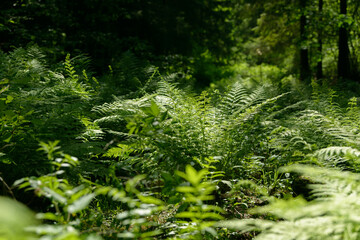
227,145
82,212
331,215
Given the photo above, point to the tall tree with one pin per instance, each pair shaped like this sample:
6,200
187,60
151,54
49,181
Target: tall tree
344,53
304,51
319,66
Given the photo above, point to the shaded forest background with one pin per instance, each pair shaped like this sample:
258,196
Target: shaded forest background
296,35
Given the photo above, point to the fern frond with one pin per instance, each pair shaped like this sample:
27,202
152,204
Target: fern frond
234,98
122,107
336,151
252,111
256,96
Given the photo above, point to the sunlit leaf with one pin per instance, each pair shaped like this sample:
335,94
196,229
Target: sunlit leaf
187,215
81,203
185,189
150,200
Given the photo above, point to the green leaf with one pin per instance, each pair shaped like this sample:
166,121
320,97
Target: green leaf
9,99
194,177
133,128
103,190
22,183
47,216
4,81
5,160
14,218
126,235
8,139
206,198
123,215
130,185
81,203
155,109
211,215
150,234
55,195
142,212
186,189
187,215
211,230
47,229
93,237
181,174
163,116
246,225
150,200
191,175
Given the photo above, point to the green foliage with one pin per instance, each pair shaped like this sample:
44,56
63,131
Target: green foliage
171,127
323,218
128,76
75,208
15,218
204,100
72,205
259,74
38,102
196,195
135,222
135,120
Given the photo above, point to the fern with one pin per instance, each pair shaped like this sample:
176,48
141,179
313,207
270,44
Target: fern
48,101
289,140
186,126
129,77
238,99
335,151
323,218
234,98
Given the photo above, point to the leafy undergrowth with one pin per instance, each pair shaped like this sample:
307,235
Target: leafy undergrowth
155,161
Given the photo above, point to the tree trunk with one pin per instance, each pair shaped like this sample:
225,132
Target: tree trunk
304,52
344,53
319,70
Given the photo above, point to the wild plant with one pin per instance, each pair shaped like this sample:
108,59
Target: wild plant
171,127
201,215
331,215
78,211
46,102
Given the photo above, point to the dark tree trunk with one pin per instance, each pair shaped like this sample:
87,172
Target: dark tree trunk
304,52
344,53
319,67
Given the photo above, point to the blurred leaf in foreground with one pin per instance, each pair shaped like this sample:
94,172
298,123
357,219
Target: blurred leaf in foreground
14,218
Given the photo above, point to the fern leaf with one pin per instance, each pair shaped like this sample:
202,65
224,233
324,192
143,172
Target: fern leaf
336,151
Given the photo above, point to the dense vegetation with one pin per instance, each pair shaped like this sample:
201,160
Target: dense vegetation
179,119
